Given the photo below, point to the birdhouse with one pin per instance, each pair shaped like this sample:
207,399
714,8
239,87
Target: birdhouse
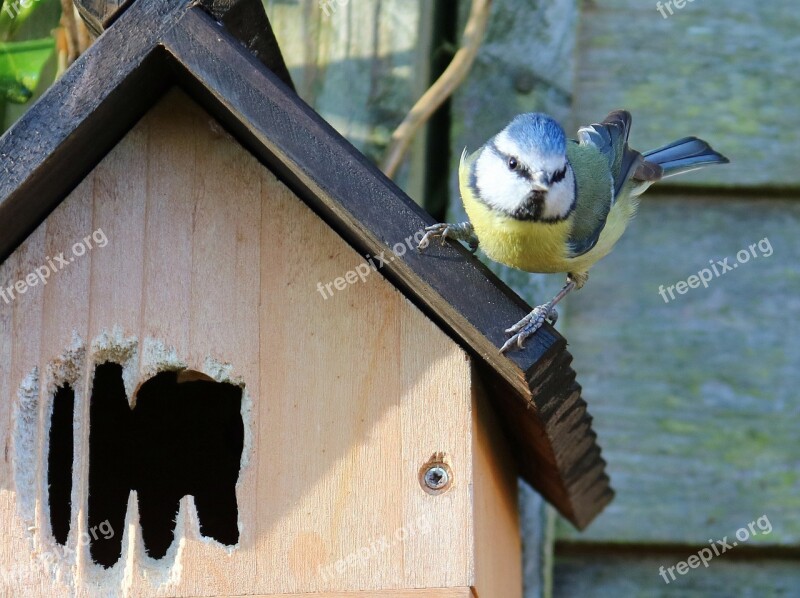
226,370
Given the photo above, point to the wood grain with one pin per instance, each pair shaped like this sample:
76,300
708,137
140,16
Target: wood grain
353,198
380,221
696,397
600,575
498,550
98,14
727,76
206,264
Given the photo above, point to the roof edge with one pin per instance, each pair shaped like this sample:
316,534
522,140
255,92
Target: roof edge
246,20
157,43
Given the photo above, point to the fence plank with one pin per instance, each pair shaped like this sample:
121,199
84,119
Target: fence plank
595,576
361,65
696,399
728,75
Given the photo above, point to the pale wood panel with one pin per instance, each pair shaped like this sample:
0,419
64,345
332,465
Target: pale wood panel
174,157
366,470
208,254
120,212
118,287
26,321
426,428
201,281
118,282
728,76
37,317
498,552
69,292
7,278
696,398
13,522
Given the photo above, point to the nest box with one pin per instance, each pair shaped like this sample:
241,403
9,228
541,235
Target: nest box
224,370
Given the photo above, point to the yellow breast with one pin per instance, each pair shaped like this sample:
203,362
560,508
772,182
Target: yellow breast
526,245
538,246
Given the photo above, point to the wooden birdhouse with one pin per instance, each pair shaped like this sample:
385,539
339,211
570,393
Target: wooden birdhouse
224,368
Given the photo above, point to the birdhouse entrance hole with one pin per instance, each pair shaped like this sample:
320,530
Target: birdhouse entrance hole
59,462
182,435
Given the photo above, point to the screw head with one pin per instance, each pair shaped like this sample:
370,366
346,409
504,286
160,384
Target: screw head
436,476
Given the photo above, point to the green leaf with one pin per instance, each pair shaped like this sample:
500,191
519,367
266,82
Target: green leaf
21,66
13,14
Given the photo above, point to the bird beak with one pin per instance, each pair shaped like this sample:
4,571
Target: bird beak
540,182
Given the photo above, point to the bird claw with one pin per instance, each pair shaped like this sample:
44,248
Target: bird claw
527,326
443,230
434,231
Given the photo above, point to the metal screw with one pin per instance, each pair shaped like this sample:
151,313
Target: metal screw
436,477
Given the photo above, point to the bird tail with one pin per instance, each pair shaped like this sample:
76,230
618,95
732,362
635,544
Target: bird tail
684,155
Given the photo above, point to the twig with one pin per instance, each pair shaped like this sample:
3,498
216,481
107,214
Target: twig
442,89
71,30
72,36
84,37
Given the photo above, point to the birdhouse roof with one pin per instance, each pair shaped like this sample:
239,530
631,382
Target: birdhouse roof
224,55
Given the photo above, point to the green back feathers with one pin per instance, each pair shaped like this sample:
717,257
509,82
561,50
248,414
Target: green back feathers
603,165
594,188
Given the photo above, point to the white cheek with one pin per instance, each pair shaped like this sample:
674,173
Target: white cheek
498,186
560,197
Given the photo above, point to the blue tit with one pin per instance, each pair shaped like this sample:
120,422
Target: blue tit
539,202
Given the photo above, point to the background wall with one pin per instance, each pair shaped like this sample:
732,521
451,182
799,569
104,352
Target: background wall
695,400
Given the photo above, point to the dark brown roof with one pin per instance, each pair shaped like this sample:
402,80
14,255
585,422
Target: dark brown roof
152,45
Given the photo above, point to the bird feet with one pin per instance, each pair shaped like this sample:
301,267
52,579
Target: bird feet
458,232
527,326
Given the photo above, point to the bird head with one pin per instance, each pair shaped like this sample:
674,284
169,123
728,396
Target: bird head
523,171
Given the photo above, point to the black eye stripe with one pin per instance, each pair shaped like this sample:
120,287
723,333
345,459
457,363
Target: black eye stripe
559,176
521,170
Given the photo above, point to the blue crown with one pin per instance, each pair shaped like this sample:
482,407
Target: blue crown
537,132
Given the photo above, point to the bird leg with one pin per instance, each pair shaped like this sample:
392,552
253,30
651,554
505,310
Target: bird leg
525,328
458,232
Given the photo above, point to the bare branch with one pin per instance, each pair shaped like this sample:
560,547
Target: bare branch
70,26
443,88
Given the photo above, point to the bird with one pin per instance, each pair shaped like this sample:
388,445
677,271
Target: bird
540,202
